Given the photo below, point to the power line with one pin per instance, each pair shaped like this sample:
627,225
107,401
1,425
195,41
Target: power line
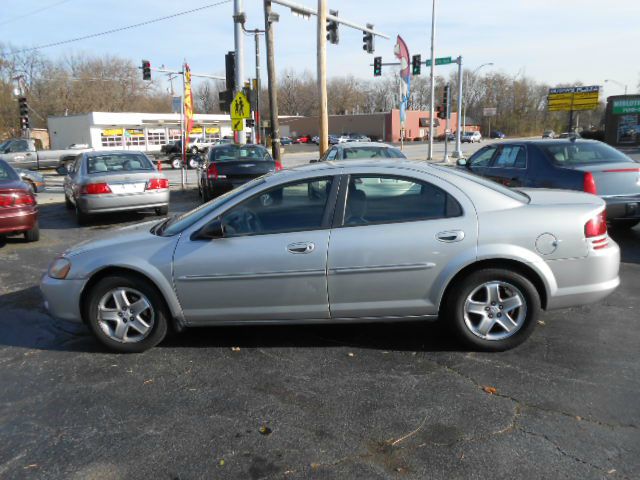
33,12
115,30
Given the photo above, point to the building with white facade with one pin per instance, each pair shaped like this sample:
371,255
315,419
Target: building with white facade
131,131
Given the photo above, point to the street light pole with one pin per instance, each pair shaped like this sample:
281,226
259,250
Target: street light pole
239,47
269,18
464,110
323,133
432,78
618,83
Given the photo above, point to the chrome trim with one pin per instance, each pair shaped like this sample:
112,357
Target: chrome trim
383,268
252,275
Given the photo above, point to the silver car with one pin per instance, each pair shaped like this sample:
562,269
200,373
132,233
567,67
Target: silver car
359,151
113,181
354,241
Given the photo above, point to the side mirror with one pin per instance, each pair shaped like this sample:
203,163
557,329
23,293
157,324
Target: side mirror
462,162
210,231
62,170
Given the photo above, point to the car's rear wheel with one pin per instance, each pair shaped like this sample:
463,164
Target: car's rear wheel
127,314
162,211
624,224
33,235
176,163
68,203
81,217
493,309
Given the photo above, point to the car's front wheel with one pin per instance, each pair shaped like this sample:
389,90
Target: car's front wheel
127,314
493,309
32,235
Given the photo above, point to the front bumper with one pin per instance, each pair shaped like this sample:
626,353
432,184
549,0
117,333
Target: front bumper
117,203
62,297
17,220
585,280
623,208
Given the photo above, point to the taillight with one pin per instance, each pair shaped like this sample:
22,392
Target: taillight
95,189
589,183
212,171
157,184
17,199
597,226
278,166
6,200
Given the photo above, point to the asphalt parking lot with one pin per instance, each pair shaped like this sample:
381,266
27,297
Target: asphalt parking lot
338,402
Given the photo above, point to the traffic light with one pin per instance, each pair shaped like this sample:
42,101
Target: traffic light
416,63
230,71
377,66
368,40
332,29
146,70
445,102
225,99
440,112
23,107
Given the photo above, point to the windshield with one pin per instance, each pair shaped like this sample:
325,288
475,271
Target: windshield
583,153
178,223
514,194
118,162
6,172
232,153
372,152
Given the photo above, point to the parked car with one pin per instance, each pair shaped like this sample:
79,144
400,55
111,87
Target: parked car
28,153
497,134
33,179
358,137
471,137
303,139
344,138
113,181
229,166
569,135
334,139
586,165
172,147
199,145
315,140
360,150
450,137
549,134
369,242
285,141
18,205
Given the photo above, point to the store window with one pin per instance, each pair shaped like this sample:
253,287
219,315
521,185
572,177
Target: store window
111,137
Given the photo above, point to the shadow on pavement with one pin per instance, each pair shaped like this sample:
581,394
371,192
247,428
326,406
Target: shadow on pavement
628,240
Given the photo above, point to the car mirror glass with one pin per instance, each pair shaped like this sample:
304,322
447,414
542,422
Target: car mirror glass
62,170
211,231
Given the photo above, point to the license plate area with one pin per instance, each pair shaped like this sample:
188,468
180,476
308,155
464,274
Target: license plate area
124,188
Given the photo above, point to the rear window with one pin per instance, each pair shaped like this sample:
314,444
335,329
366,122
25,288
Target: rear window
7,173
233,153
579,153
372,152
118,162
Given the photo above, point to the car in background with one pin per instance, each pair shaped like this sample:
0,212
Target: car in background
303,139
450,137
316,140
569,135
172,147
549,134
28,153
18,206
358,137
370,242
113,181
361,150
497,134
285,141
471,137
33,179
229,166
586,165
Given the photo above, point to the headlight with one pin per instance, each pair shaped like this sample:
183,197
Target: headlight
60,268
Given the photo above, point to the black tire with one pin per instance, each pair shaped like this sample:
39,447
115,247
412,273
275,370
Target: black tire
206,194
162,211
454,306
33,235
68,203
176,163
161,317
81,217
624,224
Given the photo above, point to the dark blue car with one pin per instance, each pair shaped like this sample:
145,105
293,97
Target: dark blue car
573,164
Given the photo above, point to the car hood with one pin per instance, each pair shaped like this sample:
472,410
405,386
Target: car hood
117,239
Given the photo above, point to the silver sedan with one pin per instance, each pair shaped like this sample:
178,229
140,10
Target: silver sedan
113,181
353,241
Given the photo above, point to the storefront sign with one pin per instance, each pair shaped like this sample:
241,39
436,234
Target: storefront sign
111,132
573,98
620,107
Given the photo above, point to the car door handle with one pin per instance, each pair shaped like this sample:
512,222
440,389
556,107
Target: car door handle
301,247
450,236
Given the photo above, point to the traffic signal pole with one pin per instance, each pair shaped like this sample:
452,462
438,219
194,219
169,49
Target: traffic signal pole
432,79
239,48
458,152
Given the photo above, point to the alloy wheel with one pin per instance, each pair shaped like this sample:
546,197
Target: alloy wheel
125,315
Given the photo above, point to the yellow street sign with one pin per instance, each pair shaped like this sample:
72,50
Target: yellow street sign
573,98
240,107
237,124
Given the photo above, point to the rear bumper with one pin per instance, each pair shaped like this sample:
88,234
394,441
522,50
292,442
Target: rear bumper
118,203
224,185
623,208
17,220
62,297
585,280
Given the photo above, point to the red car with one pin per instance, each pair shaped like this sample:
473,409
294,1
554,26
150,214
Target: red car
18,206
303,139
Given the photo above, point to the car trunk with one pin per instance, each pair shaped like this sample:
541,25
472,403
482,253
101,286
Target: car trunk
242,171
124,183
621,178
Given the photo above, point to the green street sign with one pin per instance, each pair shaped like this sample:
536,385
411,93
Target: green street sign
440,61
626,106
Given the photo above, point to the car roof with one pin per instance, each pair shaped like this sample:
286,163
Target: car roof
99,153
227,145
561,141
364,144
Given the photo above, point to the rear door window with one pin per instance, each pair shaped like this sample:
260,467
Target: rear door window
511,156
483,157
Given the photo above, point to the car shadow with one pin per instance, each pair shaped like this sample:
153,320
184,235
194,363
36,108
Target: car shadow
24,323
629,242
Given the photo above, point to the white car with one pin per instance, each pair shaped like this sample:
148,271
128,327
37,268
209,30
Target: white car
471,137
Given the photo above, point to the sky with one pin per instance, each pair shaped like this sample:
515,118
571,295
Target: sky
553,41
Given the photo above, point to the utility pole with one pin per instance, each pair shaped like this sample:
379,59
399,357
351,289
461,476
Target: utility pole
257,120
458,152
270,18
432,78
238,19
322,77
